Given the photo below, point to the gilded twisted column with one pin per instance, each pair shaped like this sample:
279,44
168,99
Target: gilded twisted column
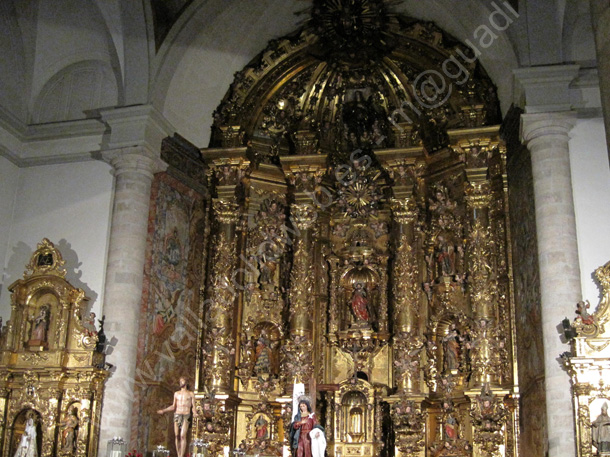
301,292
405,287
482,278
405,272
299,349
229,167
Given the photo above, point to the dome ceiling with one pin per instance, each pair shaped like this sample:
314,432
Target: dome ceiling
356,75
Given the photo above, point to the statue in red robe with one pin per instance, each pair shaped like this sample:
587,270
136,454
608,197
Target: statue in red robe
360,303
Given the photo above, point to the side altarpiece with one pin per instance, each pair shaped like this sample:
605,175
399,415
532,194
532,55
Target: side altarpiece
52,370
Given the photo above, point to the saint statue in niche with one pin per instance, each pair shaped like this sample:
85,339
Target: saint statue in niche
451,349
360,303
262,365
262,428
40,325
68,433
600,431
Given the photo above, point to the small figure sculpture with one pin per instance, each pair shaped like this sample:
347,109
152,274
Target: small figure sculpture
306,436
451,346
27,446
262,365
359,303
261,426
582,309
600,431
184,402
68,434
89,324
40,326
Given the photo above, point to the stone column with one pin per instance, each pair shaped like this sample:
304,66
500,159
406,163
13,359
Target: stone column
546,136
133,149
600,18
133,169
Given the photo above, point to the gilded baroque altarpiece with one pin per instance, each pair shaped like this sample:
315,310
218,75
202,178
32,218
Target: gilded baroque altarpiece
588,363
356,241
51,363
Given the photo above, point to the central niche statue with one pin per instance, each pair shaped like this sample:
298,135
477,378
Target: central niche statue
360,303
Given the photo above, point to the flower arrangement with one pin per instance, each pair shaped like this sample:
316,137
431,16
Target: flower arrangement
134,453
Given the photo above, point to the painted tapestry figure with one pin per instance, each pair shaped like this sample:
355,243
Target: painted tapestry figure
184,403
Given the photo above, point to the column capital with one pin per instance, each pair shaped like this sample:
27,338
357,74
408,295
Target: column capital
304,215
404,210
534,126
545,88
141,125
227,212
135,159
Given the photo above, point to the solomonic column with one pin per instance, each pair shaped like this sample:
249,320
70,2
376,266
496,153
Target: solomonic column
406,284
133,168
481,276
546,136
299,348
405,272
229,167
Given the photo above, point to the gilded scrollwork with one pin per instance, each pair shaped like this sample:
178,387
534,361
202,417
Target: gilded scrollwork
297,359
390,257
489,417
409,424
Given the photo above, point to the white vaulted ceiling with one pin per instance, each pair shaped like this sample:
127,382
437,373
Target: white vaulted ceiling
65,59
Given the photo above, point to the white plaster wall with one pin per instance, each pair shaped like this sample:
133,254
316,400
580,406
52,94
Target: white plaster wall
9,179
591,186
70,205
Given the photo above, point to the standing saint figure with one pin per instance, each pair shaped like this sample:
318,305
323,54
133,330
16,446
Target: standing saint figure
451,353
262,364
68,434
27,445
600,431
40,325
184,402
360,303
306,435
261,426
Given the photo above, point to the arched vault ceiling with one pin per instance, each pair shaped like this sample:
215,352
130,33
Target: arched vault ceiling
215,39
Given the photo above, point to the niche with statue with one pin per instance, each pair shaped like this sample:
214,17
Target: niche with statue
52,369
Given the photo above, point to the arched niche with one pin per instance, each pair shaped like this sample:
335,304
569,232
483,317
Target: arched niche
19,428
360,286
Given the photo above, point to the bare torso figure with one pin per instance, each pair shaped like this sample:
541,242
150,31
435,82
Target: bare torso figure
184,402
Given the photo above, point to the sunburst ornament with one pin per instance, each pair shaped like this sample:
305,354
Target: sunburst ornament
360,194
352,31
